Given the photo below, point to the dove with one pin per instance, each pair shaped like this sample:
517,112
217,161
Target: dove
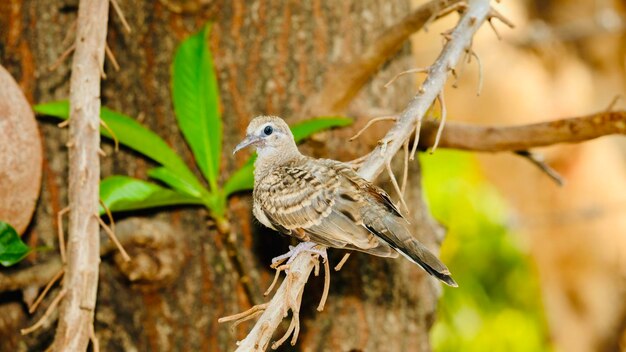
325,202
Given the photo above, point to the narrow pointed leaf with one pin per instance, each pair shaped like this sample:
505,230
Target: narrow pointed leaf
122,193
12,249
306,128
166,176
243,179
196,102
132,134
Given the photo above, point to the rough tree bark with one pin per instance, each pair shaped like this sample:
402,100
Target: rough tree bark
270,57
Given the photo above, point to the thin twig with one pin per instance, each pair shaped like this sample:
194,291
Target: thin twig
418,127
64,123
538,161
242,315
109,53
343,261
395,184
613,102
119,12
109,214
480,72
276,275
405,170
61,233
493,28
116,141
320,307
94,339
43,293
113,238
413,70
370,123
442,121
46,314
61,58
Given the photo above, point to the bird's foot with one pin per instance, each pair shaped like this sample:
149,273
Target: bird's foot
294,251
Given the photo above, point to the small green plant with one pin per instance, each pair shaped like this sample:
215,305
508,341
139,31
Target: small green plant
195,97
499,305
12,249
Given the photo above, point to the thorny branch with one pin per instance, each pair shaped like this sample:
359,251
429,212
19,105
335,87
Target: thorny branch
80,282
460,40
289,294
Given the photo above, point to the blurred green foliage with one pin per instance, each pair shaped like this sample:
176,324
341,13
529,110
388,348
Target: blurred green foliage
497,306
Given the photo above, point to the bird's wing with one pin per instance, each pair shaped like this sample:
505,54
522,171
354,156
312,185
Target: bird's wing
382,218
315,201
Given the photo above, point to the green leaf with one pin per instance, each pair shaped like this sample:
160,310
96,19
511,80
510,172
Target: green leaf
12,249
122,193
196,102
306,128
166,176
243,179
132,134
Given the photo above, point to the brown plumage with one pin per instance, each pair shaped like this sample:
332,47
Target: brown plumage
326,201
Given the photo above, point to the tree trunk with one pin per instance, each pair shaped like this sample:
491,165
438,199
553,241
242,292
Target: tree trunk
270,56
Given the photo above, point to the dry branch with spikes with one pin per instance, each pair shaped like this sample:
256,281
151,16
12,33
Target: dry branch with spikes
80,282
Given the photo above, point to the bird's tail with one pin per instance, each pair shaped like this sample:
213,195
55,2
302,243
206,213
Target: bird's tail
420,255
395,232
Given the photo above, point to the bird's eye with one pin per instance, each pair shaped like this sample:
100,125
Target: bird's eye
268,130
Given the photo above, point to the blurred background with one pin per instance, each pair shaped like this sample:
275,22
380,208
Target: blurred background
546,264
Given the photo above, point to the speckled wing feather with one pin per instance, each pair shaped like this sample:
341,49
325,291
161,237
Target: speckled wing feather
313,200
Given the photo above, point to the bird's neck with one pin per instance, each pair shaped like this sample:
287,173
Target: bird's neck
269,158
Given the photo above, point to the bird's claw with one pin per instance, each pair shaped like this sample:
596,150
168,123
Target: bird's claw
301,247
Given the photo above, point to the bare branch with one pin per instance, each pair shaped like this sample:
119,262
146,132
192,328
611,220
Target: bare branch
287,294
81,275
511,138
541,164
460,39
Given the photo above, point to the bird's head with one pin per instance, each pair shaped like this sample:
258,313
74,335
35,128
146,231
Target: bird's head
270,135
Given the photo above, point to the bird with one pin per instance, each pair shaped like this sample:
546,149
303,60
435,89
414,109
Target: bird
325,202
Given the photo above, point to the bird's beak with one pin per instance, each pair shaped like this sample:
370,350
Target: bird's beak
248,141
